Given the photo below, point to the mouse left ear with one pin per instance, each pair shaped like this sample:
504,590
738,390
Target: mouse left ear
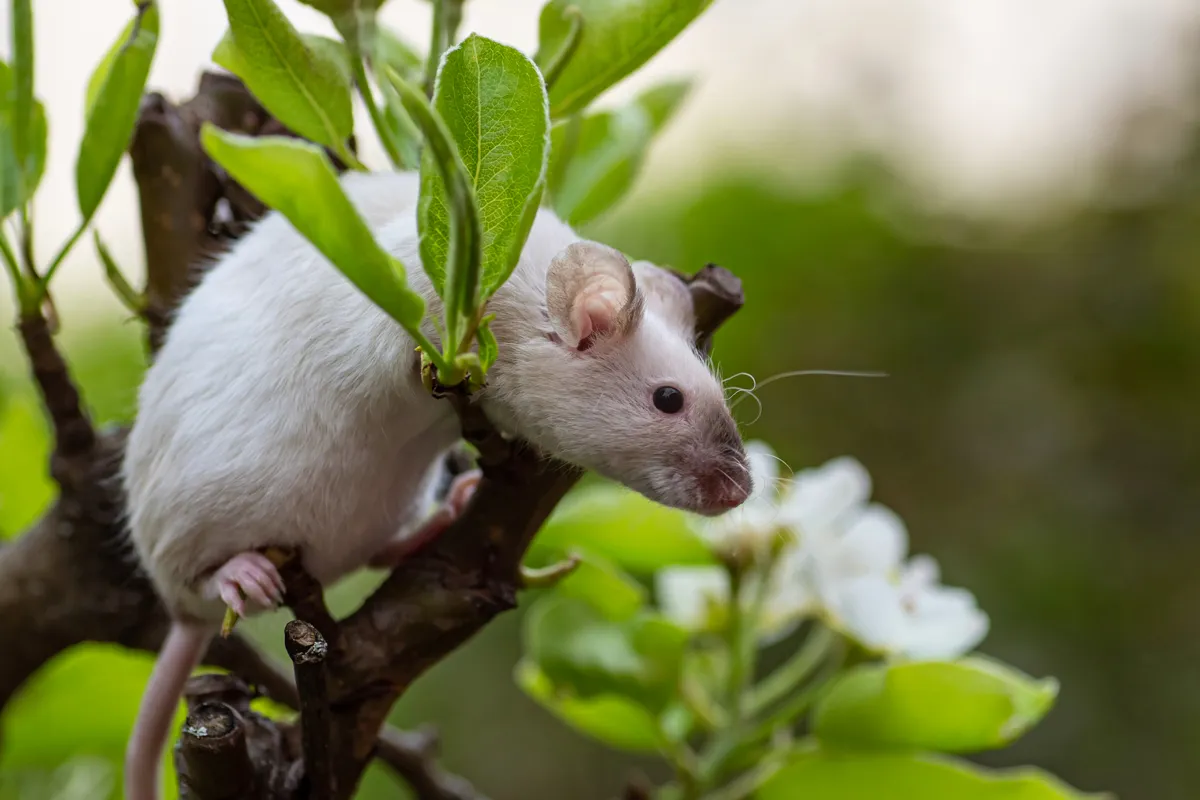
591,294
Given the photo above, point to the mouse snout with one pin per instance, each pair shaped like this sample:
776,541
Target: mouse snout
723,488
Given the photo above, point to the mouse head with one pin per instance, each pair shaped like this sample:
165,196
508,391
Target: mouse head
611,381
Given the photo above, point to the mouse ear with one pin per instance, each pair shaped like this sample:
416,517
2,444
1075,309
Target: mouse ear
667,295
591,294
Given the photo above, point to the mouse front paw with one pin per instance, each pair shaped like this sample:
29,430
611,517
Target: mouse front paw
249,575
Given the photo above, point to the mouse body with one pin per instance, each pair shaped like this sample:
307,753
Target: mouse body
285,408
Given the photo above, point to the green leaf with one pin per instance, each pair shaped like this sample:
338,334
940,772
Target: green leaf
488,347
855,776
341,9
618,37
594,160
580,651
303,86
464,237
19,181
494,104
296,178
603,586
115,93
329,50
611,719
392,49
24,141
963,706
625,527
400,126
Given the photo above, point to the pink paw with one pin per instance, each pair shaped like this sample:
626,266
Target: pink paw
247,575
462,488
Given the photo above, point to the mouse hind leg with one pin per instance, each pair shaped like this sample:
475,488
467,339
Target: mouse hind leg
246,576
400,547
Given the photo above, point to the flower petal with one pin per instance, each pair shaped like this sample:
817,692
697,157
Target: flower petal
945,623
687,595
869,609
875,542
818,497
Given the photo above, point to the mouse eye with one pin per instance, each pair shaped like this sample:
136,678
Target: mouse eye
668,399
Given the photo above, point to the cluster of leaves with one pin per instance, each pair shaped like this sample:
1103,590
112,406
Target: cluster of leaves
114,92
500,135
830,721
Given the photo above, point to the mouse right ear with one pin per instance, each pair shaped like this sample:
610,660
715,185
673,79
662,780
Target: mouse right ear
591,294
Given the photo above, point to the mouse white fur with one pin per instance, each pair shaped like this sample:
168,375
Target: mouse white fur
284,408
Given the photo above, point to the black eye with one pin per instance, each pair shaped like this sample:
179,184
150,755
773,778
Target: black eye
668,399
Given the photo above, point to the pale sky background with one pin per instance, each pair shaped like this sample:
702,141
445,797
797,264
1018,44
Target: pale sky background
989,103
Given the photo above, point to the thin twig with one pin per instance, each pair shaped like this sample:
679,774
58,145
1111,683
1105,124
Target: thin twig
307,649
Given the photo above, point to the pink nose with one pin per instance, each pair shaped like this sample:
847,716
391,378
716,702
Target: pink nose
722,492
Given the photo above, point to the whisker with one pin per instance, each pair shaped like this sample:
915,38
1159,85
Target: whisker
753,382
798,373
725,474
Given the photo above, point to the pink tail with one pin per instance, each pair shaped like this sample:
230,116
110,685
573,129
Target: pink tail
180,654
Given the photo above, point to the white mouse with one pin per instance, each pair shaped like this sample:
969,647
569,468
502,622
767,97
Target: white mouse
284,408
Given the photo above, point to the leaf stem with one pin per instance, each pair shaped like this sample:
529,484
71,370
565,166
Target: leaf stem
561,58
44,283
437,46
348,158
381,129
686,766
25,301
128,296
787,714
27,241
734,640
793,672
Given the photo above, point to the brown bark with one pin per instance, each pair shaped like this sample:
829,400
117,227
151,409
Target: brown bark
70,579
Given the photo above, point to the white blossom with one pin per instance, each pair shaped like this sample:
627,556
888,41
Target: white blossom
844,560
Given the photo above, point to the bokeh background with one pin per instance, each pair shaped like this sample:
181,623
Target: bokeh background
997,202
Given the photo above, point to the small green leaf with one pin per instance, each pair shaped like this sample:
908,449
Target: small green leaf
602,584
962,706
595,160
662,101
115,93
610,719
488,347
340,9
580,651
305,87
618,37
401,128
493,101
19,182
24,141
296,178
227,55
464,236
392,49
855,776
631,530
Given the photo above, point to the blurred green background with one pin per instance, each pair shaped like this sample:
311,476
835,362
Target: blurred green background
1038,432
